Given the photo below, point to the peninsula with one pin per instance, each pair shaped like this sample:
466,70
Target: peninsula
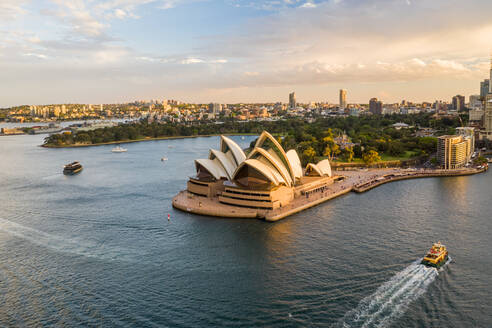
271,184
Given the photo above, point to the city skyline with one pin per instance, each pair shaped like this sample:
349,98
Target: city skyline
241,52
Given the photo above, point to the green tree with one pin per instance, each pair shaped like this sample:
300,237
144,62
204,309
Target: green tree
480,160
371,157
82,138
308,155
357,151
331,149
396,148
348,154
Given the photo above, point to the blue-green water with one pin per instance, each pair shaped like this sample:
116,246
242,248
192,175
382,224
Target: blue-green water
97,249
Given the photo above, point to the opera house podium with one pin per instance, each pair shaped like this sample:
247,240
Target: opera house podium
268,183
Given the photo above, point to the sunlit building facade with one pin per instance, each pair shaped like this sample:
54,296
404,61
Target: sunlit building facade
458,102
454,151
266,178
343,98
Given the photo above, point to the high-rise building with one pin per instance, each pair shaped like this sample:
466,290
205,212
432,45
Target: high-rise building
453,152
292,100
375,106
468,133
484,88
215,109
458,102
343,98
474,101
475,115
487,117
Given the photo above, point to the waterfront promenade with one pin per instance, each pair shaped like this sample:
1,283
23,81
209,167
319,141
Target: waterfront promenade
356,181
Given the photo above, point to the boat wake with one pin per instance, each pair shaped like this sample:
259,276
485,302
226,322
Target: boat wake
65,245
52,176
391,299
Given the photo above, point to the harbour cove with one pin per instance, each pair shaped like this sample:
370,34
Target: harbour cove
97,248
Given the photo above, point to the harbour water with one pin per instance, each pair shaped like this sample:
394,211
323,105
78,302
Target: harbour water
97,248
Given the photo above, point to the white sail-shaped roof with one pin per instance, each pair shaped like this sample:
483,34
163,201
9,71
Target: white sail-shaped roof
273,161
325,167
313,170
322,169
214,167
277,149
265,170
227,163
294,160
227,144
267,164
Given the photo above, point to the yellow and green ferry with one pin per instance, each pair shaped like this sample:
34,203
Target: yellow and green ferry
72,168
437,256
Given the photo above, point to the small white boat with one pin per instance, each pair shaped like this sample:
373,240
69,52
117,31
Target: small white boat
242,138
118,149
163,159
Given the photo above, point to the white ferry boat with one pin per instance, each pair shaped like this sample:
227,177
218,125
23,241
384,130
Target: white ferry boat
118,149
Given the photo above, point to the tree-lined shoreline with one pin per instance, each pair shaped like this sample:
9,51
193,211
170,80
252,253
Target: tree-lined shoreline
369,138
77,145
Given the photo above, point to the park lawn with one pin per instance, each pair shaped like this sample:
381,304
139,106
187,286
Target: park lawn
408,154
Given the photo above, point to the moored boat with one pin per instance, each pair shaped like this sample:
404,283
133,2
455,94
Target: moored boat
118,149
436,257
72,168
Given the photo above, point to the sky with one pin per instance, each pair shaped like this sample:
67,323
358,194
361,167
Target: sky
231,51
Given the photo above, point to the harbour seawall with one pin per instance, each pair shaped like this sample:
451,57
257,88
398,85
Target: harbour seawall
415,175
356,181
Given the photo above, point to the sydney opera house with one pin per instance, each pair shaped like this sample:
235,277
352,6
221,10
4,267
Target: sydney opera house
230,183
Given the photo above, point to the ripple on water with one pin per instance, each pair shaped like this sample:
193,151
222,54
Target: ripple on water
97,250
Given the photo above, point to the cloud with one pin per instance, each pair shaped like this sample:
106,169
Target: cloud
361,41
319,73
79,17
308,5
11,9
146,59
40,56
120,13
219,61
280,44
91,18
188,61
